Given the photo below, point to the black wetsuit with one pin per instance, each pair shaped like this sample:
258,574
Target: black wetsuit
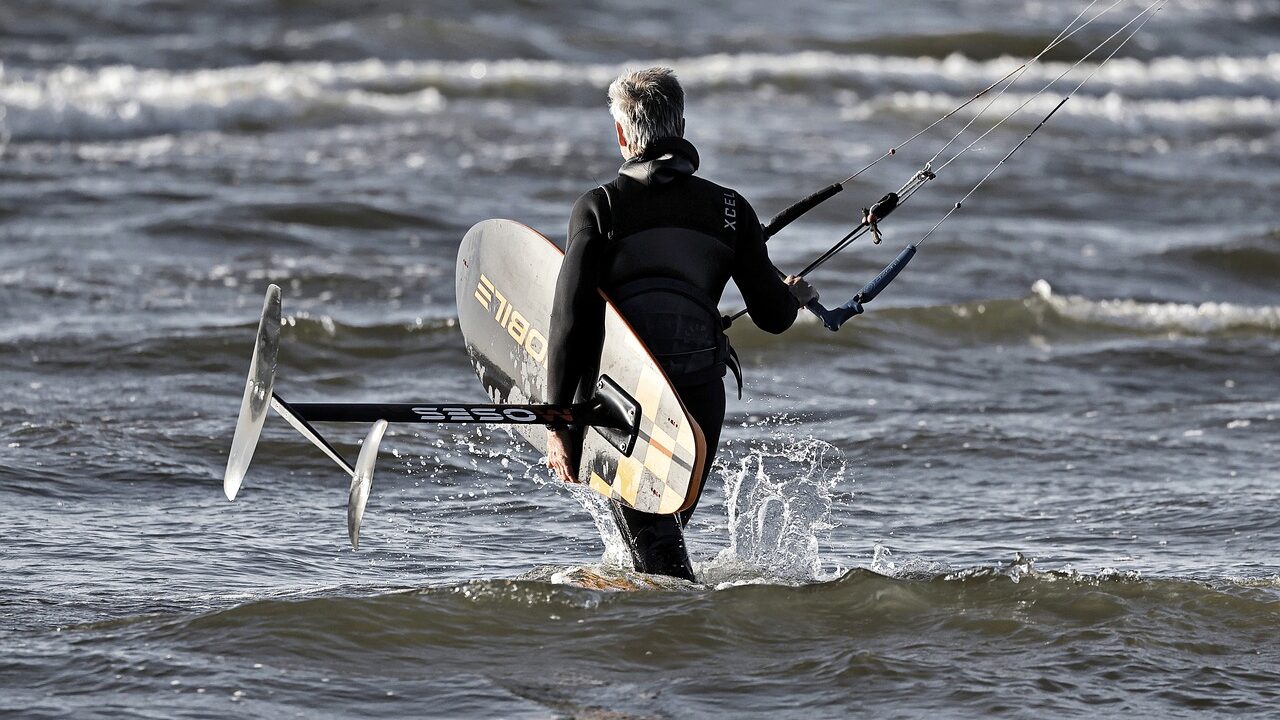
662,243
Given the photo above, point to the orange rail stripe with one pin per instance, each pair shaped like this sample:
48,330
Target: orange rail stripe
659,447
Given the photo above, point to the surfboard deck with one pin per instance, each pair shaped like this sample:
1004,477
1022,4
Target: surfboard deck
505,281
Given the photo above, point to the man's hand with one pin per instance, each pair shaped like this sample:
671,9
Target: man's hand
560,458
801,289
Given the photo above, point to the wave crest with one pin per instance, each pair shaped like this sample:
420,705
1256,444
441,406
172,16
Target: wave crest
1209,318
78,103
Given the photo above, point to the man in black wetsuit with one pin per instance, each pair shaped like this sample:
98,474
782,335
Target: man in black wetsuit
662,244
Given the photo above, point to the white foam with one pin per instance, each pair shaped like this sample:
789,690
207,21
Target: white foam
73,103
121,101
1202,319
1167,76
1089,112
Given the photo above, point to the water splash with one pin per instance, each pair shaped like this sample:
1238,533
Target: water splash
778,502
909,567
882,560
616,554
778,499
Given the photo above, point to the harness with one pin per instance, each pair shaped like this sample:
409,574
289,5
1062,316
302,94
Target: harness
678,321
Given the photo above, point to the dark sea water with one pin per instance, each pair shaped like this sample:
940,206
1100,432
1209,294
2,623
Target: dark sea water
1039,478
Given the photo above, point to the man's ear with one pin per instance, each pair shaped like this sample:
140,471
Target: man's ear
622,137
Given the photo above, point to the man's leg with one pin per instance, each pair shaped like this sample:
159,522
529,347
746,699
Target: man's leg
657,541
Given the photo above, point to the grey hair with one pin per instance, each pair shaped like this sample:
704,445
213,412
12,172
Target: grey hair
649,105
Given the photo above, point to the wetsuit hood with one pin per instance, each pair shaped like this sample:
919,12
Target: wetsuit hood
664,160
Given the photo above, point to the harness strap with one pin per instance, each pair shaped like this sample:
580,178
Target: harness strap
734,364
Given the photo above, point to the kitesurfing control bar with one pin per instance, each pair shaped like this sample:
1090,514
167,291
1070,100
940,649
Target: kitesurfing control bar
835,317
870,216
786,217
886,276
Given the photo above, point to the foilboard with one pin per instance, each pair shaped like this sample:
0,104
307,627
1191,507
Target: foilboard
506,278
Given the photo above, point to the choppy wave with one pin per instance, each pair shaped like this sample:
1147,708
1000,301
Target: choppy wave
1256,261
1112,109
74,103
986,632
1013,600
1043,311
80,103
1044,315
